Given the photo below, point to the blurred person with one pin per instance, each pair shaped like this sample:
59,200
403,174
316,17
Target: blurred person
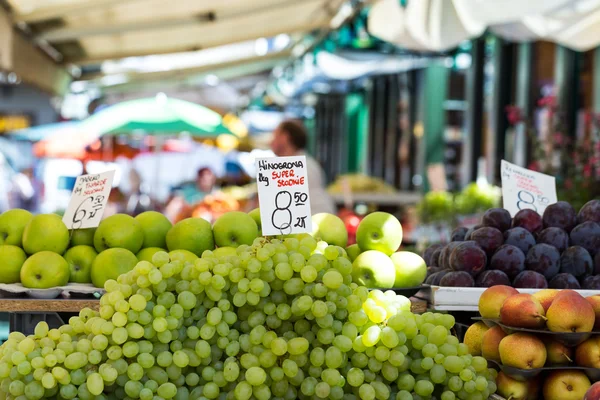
25,190
138,201
5,185
290,139
191,193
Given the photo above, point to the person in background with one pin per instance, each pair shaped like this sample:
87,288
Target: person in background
189,194
290,139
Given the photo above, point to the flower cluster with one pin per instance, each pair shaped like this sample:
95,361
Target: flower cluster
574,161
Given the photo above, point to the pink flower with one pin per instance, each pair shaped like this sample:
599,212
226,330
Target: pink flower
587,171
548,101
558,138
534,166
514,114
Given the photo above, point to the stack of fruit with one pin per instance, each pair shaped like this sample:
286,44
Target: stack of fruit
281,319
548,336
377,263
560,250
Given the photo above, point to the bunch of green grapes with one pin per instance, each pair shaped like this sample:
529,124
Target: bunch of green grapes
280,319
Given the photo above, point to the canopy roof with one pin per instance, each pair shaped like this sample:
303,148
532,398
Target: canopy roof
91,31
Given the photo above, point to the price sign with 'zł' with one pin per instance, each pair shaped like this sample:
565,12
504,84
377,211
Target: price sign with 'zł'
526,189
88,200
283,195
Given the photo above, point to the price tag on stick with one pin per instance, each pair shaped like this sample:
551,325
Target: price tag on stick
526,189
88,200
283,195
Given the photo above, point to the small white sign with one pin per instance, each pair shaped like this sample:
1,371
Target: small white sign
89,198
526,189
283,195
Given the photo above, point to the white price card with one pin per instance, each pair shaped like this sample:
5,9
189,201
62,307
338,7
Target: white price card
88,200
526,189
283,195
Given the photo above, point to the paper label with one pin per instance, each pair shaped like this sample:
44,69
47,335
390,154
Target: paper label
526,189
88,200
283,195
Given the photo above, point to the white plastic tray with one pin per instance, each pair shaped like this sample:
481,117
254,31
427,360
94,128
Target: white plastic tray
8,290
444,298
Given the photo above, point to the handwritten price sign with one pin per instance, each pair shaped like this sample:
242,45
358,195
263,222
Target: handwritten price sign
88,200
283,195
526,189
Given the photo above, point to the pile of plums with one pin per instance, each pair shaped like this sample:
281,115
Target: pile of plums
559,249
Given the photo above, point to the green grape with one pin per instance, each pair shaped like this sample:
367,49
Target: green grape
255,376
455,383
448,395
437,374
406,382
466,375
423,388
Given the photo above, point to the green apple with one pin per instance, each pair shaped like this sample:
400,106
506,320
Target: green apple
111,263
155,227
411,270
11,260
80,259
45,232
379,231
12,224
147,253
44,270
329,228
234,229
225,252
182,255
255,214
353,251
374,269
192,234
82,237
119,231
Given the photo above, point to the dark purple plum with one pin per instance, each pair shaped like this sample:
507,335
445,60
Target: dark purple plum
589,212
488,238
498,218
428,254
597,264
519,237
444,260
544,259
587,235
529,220
432,270
491,278
560,215
564,281
471,230
457,279
435,257
576,261
458,235
530,280
508,259
554,237
468,257
591,282
434,279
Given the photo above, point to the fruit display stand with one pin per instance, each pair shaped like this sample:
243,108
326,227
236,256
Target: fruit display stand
381,199
26,313
442,298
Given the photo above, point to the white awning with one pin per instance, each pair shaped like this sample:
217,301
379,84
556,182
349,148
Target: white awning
439,25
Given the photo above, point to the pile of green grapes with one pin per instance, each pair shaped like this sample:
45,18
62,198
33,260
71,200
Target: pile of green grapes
275,320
